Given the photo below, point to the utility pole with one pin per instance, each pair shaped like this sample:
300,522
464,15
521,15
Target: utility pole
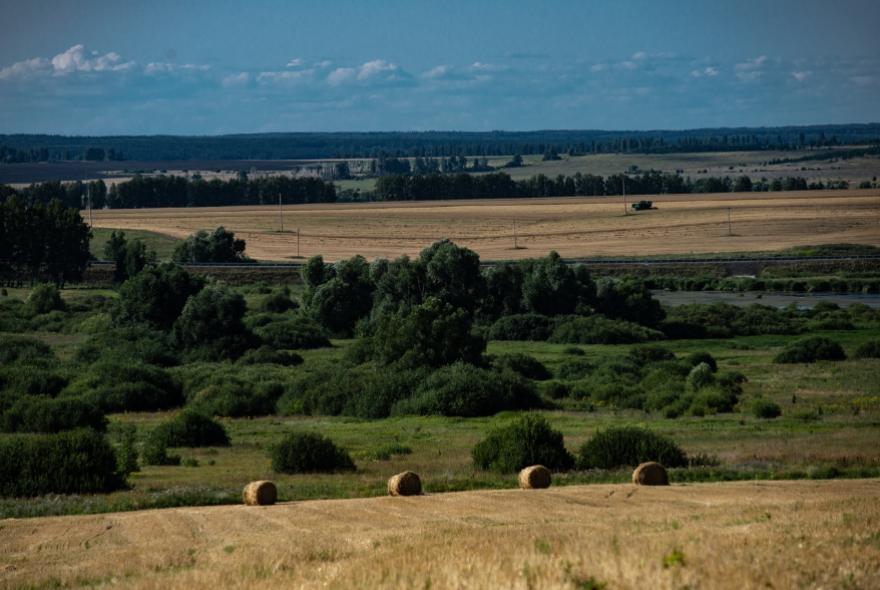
729,227
623,184
515,245
297,242
281,212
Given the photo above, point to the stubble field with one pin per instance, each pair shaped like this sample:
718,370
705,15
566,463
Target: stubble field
731,535
575,227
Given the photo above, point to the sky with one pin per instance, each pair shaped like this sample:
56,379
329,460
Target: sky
96,67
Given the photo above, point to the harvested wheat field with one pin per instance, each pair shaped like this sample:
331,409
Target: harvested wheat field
575,227
805,534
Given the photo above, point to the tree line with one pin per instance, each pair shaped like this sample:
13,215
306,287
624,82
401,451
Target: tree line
499,184
272,146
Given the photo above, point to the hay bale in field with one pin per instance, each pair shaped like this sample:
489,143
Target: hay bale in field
405,484
535,477
260,493
650,474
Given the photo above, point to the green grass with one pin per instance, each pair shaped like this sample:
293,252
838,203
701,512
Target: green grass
163,245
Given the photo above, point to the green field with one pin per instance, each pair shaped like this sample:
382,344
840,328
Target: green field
829,428
162,244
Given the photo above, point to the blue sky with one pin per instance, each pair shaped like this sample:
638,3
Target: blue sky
123,67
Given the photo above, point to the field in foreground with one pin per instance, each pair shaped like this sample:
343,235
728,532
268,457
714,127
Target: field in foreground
731,535
584,226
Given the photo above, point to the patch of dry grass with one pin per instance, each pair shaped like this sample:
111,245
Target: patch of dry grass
734,535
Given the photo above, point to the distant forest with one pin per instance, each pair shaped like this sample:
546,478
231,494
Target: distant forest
178,191
282,146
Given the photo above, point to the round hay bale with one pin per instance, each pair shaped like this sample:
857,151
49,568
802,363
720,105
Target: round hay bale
535,477
260,493
405,484
650,474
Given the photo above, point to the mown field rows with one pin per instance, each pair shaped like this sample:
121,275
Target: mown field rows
574,227
731,535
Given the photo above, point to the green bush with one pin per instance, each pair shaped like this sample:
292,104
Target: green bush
236,398
868,350
266,355
19,380
44,299
527,326
697,358
461,389
126,452
298,332
529,440
699,377
122,387
156,296
306,452
554,389
522,364
190,429
128,344
45,414
809,350
74,462
210,326
575,369
15,349
598,329
764,408
279,301
155,452
647,354
627,447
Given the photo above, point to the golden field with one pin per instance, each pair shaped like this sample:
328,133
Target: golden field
573,226
796,534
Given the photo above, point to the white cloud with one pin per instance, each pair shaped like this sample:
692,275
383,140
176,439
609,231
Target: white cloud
752,64
75,60
24,68
284,76
707,72
628,65
375,68
801,75
437,72
486,67
639,55
340,76
238,79
295,63
159,67
598,67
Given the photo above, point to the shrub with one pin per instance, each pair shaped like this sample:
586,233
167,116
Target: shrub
432,334
527,326
156,296
306,452
125,345
764,408
74,462
868,350
699,377
597,329
19,380
21,349
44,299
190,429
575,369
522,364
627,447
42,414
529,440
554,389
266,355
297,332
279,301
155,452
697,358
236,398
126,453
210,325
646,354
461,389
123,387
810,350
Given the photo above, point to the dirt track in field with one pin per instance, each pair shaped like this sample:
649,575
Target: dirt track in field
575,227
807,534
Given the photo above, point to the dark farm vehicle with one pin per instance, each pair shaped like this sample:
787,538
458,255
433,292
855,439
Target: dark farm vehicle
643,205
